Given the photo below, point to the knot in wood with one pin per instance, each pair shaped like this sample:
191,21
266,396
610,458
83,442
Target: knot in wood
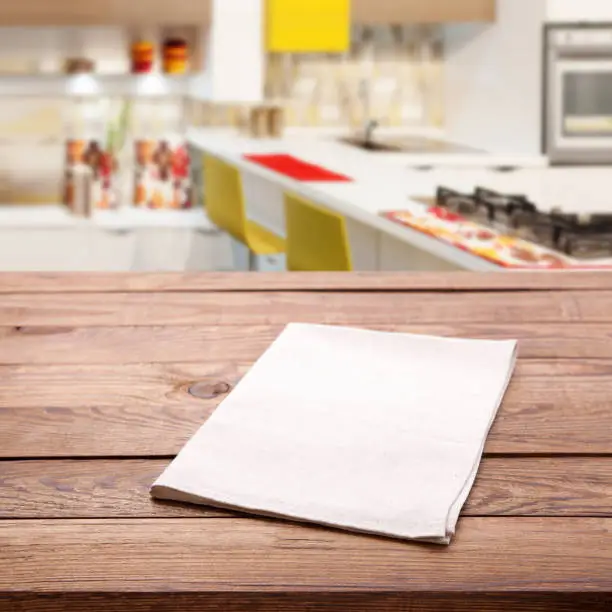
209,390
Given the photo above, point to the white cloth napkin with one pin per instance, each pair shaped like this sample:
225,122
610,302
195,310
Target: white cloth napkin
368,431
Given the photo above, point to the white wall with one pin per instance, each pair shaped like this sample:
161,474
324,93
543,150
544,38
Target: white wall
493,80
579,10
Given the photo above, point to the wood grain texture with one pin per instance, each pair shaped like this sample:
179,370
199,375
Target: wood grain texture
146,410
357,601
104,12
99,366
203,344
414,11
220,555
260,308
95,282
526,486
165,384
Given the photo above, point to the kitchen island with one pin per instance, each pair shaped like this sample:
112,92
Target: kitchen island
379,182
96,375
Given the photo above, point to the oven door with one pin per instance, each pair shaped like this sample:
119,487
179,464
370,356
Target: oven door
580,111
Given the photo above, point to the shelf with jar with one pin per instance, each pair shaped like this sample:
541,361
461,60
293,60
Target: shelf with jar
79,62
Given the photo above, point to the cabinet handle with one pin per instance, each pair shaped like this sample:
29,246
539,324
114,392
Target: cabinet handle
122,231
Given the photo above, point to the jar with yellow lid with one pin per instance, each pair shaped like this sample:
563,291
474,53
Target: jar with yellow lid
175,56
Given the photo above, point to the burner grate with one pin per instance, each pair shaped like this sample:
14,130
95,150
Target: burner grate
578,235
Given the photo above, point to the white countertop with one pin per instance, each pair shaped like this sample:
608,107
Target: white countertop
57,216
379,185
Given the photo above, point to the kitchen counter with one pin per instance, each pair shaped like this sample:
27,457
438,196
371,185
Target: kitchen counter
58,216
383,182
83,443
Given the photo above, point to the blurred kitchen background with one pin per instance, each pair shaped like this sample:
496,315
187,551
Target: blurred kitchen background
106,109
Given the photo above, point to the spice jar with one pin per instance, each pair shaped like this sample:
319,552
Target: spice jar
74,151
258,122
276,121
175,56
79,65
143,55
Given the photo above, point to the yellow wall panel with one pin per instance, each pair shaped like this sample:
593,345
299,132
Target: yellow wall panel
306,26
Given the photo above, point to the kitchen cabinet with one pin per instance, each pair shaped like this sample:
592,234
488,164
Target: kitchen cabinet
104,12
305,26
178,249
422,11
89,249
585,10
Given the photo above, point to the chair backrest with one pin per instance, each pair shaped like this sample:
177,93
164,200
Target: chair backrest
224,198
316,237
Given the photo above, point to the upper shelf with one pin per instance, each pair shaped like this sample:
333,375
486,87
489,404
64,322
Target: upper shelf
105,12
422,11
88,85
196,12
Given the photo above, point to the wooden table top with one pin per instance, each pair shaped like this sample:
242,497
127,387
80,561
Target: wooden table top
95,372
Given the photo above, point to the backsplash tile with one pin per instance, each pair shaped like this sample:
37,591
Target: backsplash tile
392,73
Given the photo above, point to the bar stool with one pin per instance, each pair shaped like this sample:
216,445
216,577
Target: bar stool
255,247
316,238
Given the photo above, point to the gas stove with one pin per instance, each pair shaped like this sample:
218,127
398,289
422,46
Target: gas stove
581,236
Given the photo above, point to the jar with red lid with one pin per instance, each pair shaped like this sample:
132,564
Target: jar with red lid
143,57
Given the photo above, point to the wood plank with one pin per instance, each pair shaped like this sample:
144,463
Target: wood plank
158,344
146,410
260,308
104,12
495,555
202,344
518,486
52,386
415,11
304,601
87,282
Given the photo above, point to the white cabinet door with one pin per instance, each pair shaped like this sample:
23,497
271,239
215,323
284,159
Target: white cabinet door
91,249
210,250
181,249
66,249
396,255
109,249
44,250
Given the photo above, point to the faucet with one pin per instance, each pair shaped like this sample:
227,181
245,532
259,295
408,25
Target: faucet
368,131
369,124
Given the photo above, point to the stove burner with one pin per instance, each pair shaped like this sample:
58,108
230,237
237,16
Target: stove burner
583,236
455,201
513,210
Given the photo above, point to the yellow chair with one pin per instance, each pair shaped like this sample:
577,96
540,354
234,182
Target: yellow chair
226,209
316,237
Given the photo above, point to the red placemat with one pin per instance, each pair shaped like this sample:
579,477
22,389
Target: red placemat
296,168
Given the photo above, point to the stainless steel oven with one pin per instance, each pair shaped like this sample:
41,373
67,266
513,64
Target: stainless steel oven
578,94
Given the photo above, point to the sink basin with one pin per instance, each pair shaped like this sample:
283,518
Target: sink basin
408,144
372,145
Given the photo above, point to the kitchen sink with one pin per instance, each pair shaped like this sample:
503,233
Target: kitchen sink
407,144
372,145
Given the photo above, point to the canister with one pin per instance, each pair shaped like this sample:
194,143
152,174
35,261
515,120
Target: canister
143,57
175,56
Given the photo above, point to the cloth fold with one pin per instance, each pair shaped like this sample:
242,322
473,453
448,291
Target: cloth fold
368,431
